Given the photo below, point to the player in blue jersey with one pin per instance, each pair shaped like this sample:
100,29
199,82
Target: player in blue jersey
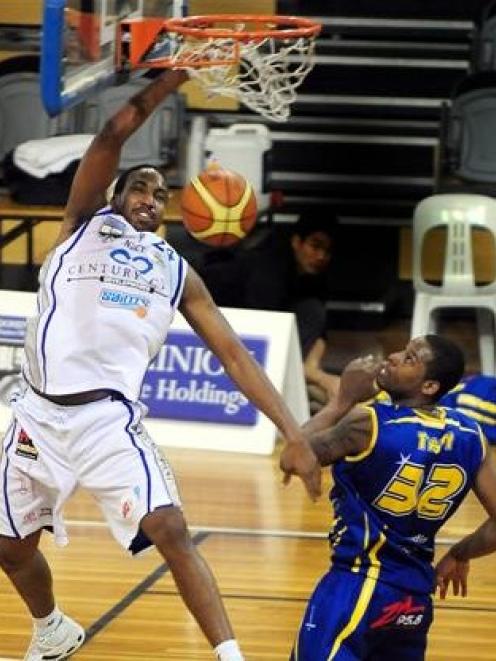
475,396
400,470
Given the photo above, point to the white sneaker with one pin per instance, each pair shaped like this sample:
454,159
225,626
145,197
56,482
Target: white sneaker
59,643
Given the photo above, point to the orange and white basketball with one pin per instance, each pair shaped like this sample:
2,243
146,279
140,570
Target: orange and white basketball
219,207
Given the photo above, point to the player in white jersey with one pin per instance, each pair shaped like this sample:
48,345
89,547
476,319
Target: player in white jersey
108,292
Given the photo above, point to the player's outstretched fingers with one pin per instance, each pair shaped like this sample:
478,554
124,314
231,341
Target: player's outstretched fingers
442,586
313,483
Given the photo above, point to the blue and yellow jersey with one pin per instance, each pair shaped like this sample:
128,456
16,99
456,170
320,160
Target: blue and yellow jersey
390,501
476,397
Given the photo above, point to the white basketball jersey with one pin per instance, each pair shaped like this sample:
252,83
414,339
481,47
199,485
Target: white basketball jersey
107,297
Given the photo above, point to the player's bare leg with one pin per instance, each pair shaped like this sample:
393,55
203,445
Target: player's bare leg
29,572
55,636
166,528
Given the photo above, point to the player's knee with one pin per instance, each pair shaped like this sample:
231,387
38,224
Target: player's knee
166,528
14,555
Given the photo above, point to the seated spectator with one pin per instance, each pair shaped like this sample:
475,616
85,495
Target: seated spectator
287,273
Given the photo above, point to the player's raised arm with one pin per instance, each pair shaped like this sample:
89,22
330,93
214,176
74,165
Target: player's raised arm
357,384
205,318
99,164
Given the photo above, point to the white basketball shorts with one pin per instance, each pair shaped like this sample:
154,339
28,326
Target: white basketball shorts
49,450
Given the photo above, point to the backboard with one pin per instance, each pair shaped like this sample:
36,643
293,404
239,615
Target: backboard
78,44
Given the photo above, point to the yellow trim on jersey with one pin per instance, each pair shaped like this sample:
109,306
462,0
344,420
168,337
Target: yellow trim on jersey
476,402
477,416
364,598
373,437
297,640
436,415
434,424
381,397
356,565
483,440
366,537
458,424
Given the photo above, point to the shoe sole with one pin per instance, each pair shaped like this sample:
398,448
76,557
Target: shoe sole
65,655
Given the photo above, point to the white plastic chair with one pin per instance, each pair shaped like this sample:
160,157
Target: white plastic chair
459,214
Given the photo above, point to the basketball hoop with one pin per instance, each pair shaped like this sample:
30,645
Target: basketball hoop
259,60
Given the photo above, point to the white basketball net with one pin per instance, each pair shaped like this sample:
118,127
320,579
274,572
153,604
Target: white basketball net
266,78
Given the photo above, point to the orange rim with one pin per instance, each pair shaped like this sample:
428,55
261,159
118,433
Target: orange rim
197,27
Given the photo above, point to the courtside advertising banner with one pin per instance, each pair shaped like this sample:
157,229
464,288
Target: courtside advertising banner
187,382
184,382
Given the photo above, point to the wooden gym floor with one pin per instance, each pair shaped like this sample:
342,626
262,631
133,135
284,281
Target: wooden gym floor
266,545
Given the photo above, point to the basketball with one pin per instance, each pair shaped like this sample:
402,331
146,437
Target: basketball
219,207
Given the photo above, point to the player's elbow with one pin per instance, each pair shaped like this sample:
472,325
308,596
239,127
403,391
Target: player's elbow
117,129
330,446
325,453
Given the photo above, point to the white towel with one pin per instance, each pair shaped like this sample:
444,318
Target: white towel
50,155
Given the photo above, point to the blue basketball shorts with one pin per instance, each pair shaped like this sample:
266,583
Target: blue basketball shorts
350,617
